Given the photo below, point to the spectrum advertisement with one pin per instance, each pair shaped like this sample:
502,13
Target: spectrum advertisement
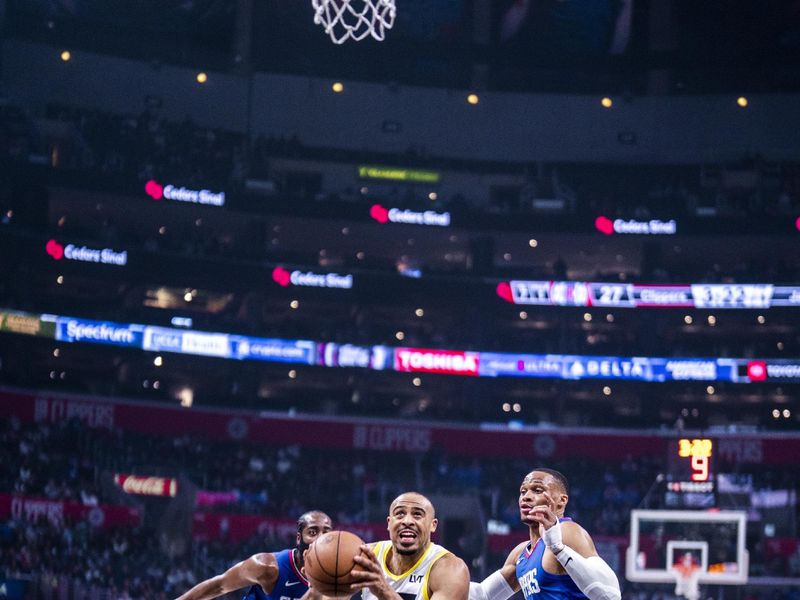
404,359
98,332
629,295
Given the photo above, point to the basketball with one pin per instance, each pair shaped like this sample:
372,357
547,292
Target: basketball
329,561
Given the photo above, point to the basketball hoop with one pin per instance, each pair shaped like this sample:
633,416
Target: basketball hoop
354,19
687,580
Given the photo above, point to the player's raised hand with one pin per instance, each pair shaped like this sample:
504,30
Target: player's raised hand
544,513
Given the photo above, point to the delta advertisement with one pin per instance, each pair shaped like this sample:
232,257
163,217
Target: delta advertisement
606,367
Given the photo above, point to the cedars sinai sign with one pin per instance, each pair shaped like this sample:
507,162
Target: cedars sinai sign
157,191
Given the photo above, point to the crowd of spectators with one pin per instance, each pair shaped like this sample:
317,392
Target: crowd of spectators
70,461
117,564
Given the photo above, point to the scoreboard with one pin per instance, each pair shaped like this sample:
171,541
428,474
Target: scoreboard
690,482
625,295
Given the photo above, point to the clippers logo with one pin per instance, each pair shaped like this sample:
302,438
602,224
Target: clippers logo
757,370
54,249
408,217
653,227
154,189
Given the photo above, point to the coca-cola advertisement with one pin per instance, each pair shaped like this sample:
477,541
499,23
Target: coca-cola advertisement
147,486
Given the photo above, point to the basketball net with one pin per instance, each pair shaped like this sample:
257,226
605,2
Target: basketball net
354,19
687,580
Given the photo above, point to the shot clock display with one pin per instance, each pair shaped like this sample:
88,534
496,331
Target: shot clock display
690,480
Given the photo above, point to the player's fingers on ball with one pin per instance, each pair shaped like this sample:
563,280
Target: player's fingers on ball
357,586
366,562
362,575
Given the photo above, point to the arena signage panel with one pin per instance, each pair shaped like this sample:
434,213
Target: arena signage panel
392,438
609,367
603,367
629,295
206,344
274,350
98,332
436,361
286,278
26,324
766,370
176,193
147,486
32,509
398,174
87,254
734,296
634,227
521,365
451,362
406,216
56,409
350,355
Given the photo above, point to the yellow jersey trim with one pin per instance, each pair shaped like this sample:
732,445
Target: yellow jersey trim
385,552
425,594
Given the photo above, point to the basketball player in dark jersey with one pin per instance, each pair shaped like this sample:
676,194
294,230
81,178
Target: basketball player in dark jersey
270,575
559,561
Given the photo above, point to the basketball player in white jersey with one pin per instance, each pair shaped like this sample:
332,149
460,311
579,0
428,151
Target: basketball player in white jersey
408,566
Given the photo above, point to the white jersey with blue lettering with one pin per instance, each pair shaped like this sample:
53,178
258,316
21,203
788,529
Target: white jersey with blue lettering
413,584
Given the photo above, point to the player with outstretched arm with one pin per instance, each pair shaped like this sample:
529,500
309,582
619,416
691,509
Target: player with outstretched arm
268,575
559,561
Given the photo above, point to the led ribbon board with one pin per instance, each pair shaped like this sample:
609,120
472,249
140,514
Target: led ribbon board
409,360
630,295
